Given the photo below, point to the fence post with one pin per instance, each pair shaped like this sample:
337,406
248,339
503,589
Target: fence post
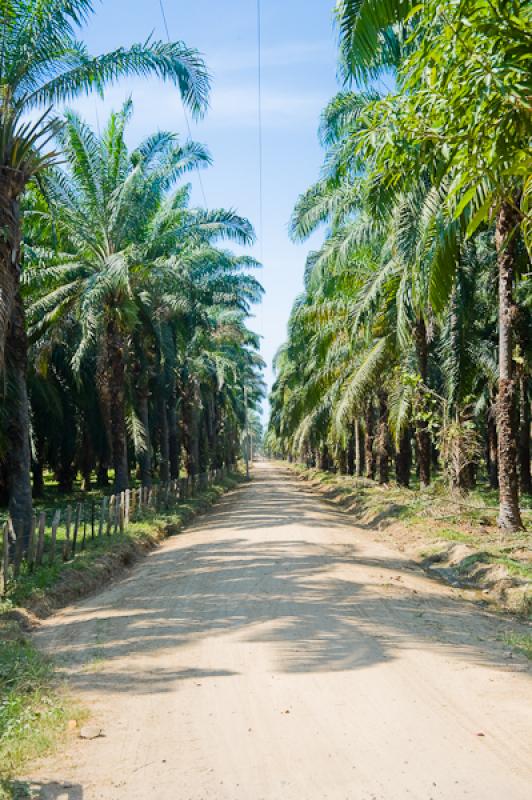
15,546
40,540
126,507
55,525
110,508
92,519
66,544
121,512
102,517
83,511
76,528
116,509
18,549
5,557
30,555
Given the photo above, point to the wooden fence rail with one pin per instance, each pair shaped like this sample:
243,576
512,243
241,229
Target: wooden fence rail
107,518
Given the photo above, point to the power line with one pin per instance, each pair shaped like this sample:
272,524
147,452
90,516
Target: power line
165,23
259,114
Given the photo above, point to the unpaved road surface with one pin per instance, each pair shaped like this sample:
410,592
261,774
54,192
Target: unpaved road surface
275,652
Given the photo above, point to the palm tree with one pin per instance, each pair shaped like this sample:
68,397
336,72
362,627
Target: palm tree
103,203
43,64
137,259
483,119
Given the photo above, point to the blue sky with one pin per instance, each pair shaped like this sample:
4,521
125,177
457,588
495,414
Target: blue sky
299,77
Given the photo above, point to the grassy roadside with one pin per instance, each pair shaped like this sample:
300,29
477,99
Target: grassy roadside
35,711
453,537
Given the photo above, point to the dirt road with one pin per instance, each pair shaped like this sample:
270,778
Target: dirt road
274,652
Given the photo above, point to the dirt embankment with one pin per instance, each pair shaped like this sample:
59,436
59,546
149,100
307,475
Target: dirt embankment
497,572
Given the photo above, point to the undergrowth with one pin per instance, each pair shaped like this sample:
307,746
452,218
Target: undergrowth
34,710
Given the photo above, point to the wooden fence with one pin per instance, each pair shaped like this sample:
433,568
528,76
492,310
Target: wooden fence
92,521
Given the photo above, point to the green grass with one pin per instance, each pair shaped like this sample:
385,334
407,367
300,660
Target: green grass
520,569
452,535
34,712
521,642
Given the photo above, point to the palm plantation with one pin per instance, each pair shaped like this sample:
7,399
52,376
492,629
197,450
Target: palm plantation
425,192
134,314
368,642
111,252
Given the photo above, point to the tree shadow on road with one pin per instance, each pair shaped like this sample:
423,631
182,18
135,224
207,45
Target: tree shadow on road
299,596
37,790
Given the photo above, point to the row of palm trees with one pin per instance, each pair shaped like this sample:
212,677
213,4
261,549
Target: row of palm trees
123,319
411,341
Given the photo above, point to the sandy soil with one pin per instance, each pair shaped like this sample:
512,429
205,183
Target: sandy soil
276,652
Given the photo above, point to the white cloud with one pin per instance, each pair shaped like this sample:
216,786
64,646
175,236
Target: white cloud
159,106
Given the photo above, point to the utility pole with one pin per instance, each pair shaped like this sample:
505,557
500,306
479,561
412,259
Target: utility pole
246,446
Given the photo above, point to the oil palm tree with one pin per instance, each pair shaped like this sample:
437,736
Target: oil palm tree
483,119
102,202
42,64
134,254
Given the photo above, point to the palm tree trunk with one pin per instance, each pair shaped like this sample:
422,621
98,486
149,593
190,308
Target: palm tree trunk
192,413
492,459
342,461
423,442
117,381
509,514
491,449
351,451
37,466
86,459
383,440
37,471
144,458
18,425
403,459
164,444
360,457
65,473
11,187
102,477
368,444
14,354
173,430
4,483
525,482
